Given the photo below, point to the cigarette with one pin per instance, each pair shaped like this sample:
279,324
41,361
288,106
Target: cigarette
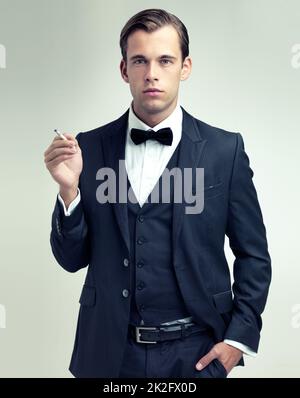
60,134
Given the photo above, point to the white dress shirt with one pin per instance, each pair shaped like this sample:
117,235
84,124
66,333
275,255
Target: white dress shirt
145,164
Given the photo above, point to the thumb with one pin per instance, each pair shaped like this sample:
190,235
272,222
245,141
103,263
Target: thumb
206,360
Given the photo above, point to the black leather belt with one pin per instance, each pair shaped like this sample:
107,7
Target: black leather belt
153,335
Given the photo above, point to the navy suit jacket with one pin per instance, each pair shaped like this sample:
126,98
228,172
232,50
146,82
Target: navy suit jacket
96,235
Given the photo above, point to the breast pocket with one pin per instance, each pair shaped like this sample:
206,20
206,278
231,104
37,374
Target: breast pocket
213,190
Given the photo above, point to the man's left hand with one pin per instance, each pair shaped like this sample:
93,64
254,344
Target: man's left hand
228,355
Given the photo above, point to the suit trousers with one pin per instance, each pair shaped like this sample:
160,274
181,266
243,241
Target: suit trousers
170,359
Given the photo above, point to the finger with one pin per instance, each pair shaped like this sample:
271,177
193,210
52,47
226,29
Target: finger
59,151
55,162
70,140
58,143
206,359
69,137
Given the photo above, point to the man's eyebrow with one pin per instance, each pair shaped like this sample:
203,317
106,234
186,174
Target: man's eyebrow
136,57
139,56
168,56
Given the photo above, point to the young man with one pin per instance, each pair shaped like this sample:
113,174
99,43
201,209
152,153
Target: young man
157,299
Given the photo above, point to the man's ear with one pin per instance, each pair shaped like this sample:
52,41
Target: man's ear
186,68
123,70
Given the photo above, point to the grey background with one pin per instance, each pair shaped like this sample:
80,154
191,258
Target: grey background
62,70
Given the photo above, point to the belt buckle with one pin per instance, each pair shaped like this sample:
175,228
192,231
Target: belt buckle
138,334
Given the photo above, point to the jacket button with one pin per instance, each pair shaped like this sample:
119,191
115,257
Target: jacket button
140,264
141,240
126,262
141,218
125,293
141,286
142,308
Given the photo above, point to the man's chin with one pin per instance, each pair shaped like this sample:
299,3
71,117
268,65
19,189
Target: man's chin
154,107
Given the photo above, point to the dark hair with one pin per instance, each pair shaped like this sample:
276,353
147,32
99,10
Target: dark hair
150,20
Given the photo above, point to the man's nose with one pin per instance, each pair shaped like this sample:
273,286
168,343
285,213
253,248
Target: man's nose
151,72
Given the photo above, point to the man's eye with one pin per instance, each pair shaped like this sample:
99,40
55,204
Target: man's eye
165,60
138,61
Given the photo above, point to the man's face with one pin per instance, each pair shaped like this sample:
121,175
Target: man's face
154,60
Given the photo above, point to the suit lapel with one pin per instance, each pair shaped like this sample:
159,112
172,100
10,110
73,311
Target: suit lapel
114,150
191,150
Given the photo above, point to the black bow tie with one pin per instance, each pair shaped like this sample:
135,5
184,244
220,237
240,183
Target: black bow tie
164,136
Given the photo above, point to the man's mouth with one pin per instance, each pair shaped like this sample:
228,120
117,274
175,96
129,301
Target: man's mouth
152,92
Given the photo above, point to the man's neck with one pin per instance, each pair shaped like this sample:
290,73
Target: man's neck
154,119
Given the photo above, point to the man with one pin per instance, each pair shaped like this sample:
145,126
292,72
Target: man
157,299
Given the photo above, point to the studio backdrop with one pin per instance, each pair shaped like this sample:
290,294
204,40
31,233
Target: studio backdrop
59,68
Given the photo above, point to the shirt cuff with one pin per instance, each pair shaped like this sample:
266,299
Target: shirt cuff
72,205
246,350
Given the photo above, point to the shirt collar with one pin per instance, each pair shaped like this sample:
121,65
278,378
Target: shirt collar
174,121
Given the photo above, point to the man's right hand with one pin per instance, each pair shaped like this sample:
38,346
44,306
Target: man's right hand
63,159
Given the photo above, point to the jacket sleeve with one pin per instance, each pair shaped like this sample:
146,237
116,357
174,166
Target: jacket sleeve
69,237
248,242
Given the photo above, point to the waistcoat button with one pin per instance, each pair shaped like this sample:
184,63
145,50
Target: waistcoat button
126,262
125,293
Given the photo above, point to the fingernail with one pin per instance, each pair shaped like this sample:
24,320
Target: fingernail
199,366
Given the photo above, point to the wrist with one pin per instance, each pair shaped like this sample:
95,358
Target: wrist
68,194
